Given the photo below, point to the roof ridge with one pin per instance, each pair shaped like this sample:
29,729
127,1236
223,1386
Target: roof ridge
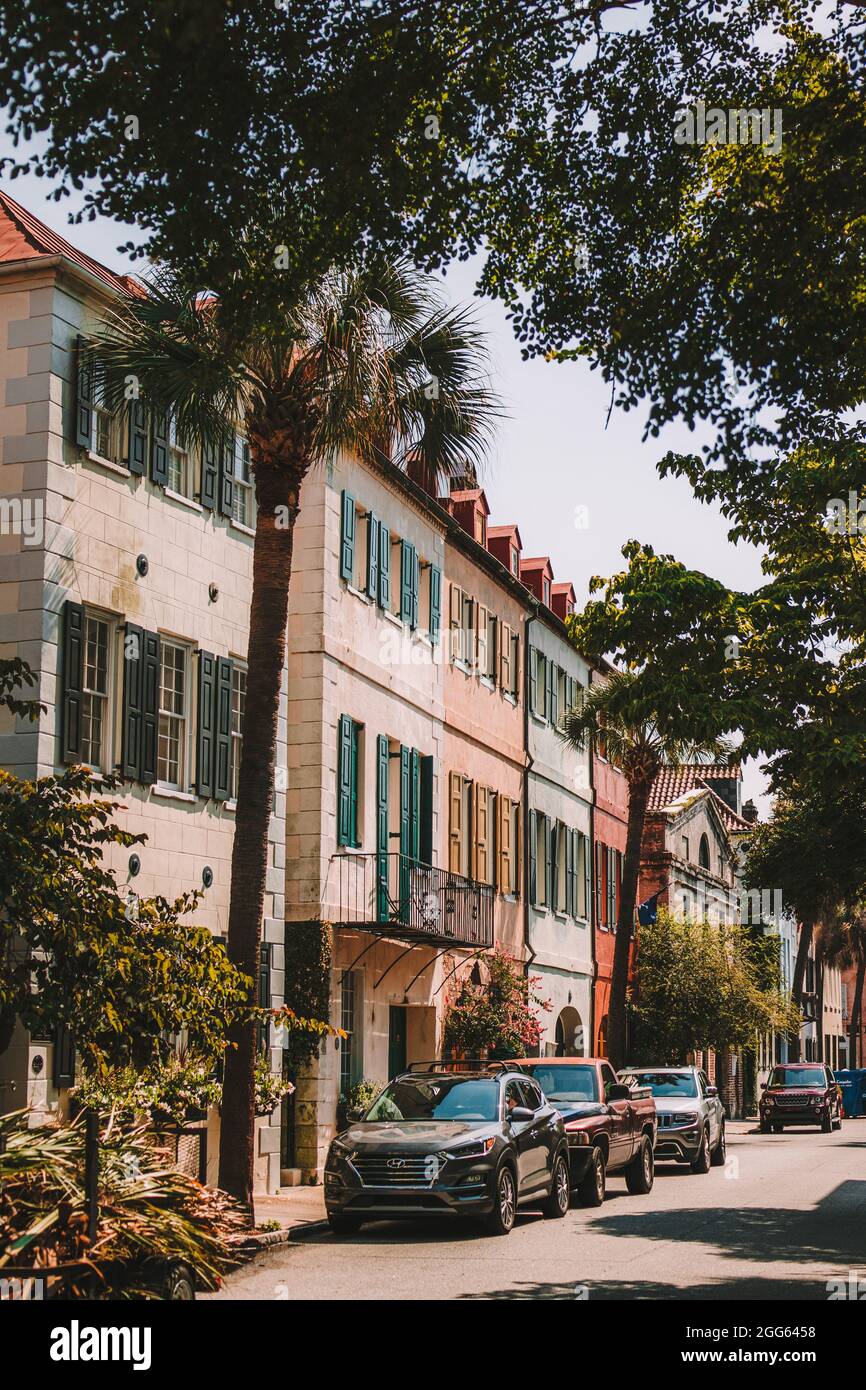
41,240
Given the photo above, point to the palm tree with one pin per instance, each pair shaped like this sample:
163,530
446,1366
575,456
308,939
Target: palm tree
640,747
370,361
842,943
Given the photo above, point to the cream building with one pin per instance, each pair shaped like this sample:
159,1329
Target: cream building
125,583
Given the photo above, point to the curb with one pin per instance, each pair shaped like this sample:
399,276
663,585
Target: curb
254,1241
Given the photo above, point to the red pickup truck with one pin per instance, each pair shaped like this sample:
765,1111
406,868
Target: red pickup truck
611,1128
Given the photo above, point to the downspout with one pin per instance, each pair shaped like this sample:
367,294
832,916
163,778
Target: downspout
528,620
591,904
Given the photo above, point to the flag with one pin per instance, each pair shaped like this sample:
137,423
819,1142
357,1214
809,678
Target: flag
647,912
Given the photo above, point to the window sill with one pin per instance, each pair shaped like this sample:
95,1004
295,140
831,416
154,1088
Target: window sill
184,501
230,805
539,720
386,612
243,528
109,464
359,593
509,698
172,793
350,849
487,683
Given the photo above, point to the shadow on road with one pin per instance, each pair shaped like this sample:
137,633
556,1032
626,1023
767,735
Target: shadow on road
769,1290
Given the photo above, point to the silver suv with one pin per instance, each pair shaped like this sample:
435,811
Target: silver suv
691,1118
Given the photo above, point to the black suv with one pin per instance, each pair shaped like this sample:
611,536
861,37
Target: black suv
467,1143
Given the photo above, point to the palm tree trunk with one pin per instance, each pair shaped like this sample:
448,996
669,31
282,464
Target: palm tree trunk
638,796
819,1007
857,1012
276,488
803,945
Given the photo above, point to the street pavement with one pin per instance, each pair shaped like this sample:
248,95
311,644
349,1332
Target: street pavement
787,1214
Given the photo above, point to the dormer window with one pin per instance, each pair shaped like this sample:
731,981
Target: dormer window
546,592
515,561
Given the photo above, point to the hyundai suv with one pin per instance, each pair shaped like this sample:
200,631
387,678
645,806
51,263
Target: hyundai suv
442,1142
800,1093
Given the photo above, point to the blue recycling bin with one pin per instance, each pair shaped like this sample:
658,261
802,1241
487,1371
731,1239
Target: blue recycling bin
853,1084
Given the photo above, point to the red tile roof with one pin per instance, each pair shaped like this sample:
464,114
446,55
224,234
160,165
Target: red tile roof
674,782
23,237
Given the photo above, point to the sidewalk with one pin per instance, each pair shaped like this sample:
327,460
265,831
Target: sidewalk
292,1207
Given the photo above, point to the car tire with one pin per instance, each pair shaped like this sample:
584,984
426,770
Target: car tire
777,1129
557,1204
179,1284
500,1222
720,1152
764,1126
701,1164
343,1225
827,1125
591,1189
640,1173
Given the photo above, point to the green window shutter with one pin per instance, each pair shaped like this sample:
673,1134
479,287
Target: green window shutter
382,778
533,858
82,432
416,587
405,800
63,1071
133,710
347,538
435,602
227,475
569,872
553,688
150,674
264,999
372,556
406,571
159,449
533,680
384,566
136,454
73,679
345,829
206,737
599,879
550,854
587,876
415,828
210,472
223,731
425,845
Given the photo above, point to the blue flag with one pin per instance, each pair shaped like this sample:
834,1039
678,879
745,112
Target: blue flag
647,913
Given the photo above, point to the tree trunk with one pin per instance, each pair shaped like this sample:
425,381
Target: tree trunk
857,1013
276,488
638,796
803,945
819,1007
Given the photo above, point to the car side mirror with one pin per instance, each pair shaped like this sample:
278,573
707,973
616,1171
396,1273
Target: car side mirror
520,1114
618,1093
356,1113
712,1092
763,1085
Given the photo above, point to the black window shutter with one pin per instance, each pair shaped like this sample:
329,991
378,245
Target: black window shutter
227,475
209,475
73,670
223,739
159,449
425,844
133,662
64,1057
384,567
136,457
150,674
205,760
264,989
83,432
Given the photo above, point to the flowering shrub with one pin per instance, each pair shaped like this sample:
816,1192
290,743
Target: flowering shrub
186,1082
270,1087
500,1017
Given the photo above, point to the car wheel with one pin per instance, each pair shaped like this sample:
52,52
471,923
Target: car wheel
826,1125
777,1129
559,1201
720,1152
343,1225
640,1172
701,1164
179,1285
501,1219
764,1126
590,1192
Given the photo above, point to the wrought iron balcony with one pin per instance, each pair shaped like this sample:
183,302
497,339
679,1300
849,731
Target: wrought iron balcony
397,896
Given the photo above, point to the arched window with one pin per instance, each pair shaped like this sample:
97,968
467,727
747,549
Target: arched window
569,1034
704,853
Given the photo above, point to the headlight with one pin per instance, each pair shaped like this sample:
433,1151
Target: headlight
475,1150
340,1150
816,1100
768,1100
687,1119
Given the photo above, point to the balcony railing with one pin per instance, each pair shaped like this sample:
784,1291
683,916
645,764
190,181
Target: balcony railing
400,897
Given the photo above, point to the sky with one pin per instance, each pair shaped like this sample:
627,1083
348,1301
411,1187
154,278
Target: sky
577,486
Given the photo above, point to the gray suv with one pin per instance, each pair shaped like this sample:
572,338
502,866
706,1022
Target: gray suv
691,1118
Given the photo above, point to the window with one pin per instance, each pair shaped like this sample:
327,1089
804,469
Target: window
546,592
243,501
684,843
350,1046
239,696
539,677
348,762
608,1078
704,853
559,850
95,713
515,561
180,464
173,719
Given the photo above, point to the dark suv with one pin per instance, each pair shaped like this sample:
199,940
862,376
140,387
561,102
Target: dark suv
442,1141
800,1093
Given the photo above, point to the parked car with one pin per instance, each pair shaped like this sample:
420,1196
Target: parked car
442,1141
691,1118
611,1128
800,1093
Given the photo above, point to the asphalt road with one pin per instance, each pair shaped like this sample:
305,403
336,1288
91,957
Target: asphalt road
787,1214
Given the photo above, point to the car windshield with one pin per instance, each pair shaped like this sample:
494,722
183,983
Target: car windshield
680,1085
797,1076
438,1098
566,1083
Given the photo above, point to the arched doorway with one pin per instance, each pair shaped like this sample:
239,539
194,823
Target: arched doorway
569,1034
602,1037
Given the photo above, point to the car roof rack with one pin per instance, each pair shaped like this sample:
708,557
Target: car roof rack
448,1063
